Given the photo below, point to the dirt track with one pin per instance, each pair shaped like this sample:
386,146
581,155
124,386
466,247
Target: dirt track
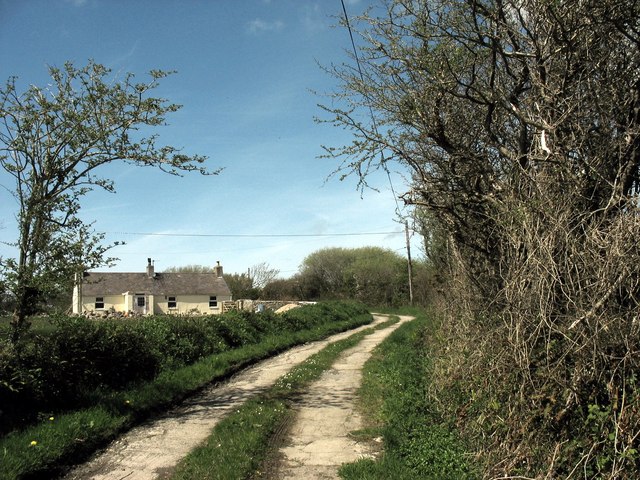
151,450
319,440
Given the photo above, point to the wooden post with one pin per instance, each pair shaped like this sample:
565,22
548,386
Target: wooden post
406,232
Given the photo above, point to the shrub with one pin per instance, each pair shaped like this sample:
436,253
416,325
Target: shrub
312,315
235,328
109,354
64,368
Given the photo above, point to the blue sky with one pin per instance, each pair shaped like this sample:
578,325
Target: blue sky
246,72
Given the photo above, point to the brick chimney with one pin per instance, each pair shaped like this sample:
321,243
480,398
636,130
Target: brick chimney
218,269
150,272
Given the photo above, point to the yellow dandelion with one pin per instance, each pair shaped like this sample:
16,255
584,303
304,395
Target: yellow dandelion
33,443
51,419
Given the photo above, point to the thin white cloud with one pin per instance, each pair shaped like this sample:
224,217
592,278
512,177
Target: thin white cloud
312,19
258,25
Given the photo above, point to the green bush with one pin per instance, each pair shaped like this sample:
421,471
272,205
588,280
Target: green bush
92,354
312,315
63,368
182,341
235,328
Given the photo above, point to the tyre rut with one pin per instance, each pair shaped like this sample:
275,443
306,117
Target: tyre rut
319,438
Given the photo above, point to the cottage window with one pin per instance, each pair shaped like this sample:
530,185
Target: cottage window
213,301
140,301
172,303
99,303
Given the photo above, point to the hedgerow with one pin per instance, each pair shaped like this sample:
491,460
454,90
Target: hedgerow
64,368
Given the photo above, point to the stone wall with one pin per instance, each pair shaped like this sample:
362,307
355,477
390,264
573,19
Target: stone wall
261,305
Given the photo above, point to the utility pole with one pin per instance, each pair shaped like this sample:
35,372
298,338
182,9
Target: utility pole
406,233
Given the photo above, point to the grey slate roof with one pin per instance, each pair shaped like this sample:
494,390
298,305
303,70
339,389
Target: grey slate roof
114,283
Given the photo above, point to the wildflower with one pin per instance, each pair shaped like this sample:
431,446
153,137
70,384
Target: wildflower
33,443
51,419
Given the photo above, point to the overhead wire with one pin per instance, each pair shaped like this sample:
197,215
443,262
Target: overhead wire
254,235
374,123
375,129
310,235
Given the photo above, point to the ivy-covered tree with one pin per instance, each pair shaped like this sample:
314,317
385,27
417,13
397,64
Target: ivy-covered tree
54,143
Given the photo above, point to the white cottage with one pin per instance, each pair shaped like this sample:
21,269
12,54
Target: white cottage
150,293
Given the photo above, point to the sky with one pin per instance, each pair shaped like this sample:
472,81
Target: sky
249,81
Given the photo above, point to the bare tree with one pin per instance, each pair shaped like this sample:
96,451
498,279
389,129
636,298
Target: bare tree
261,274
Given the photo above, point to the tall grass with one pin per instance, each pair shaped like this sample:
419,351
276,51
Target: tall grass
418,442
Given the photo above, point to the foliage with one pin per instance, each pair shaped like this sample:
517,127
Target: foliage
282,289
372,275
426,283
61,438
64,367
55,143
518,124
241,286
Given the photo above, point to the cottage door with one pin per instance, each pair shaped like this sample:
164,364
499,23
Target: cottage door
139,303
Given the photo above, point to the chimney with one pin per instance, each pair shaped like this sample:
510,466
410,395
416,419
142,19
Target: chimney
218,269
150,272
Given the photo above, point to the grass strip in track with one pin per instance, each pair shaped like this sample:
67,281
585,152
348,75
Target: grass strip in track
44,450
241,442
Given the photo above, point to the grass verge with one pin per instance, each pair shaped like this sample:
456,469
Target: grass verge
46,449
241,442
394,401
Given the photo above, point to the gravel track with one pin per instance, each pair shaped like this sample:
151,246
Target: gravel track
319,439
151,450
